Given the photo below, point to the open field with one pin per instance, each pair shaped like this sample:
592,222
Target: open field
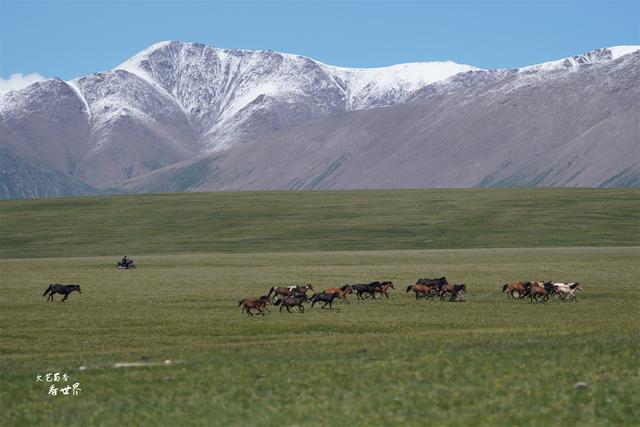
488,361
318,221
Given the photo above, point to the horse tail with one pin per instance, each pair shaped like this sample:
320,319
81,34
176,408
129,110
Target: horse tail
409,288
48,289
504,288
273,288
240,302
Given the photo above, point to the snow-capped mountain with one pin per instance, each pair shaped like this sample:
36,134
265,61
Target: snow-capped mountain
176,101
234,95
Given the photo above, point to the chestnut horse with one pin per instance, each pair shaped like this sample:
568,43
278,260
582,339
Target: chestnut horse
423,291
255,303
340,292
383,289
516,289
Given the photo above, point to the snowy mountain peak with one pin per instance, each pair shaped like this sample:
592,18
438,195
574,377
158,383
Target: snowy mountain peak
222,91
573,63
618,51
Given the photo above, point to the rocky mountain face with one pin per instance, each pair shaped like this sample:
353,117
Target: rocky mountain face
182,116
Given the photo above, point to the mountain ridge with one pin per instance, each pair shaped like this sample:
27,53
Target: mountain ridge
174,102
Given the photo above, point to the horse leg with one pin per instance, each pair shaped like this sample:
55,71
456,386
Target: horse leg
301,308
65,297
281,307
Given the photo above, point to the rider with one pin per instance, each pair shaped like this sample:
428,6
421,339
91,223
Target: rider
125,261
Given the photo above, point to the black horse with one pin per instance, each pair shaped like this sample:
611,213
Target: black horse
65,290
322,297
294,300
366,288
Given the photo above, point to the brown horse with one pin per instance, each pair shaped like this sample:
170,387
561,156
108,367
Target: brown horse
255,303
302,289
286,291
423,291
295,300
516,289
383,289
457,291
540,289
340,292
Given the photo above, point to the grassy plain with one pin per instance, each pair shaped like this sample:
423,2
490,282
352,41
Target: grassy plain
488,361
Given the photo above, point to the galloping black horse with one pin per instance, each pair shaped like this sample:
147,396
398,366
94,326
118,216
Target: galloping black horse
323,297
55,288
368,288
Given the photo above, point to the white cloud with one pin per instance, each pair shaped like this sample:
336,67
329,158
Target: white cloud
18,81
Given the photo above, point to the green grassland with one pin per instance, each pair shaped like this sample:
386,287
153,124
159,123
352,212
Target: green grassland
487,361
318,221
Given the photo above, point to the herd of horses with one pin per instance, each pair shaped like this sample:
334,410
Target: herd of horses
542,290
288,297
295,296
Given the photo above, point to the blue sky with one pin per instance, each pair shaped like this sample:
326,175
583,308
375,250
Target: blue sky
67,39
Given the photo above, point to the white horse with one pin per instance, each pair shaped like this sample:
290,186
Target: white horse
567,290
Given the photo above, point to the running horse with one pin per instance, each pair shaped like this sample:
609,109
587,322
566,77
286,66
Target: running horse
423,291
567,290
286,291
383,289
327,299
341,292
457,291
516,289
366,289
295,300
259,304
541,289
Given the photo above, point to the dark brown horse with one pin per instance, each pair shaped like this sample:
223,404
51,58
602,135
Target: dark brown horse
423,291
295,300
259,304
457,291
